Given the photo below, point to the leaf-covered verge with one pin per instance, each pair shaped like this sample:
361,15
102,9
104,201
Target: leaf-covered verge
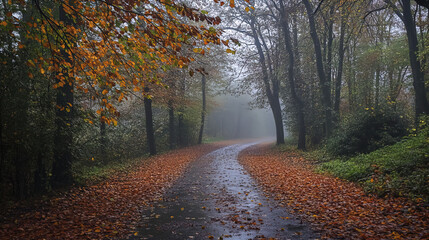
337,208
109,209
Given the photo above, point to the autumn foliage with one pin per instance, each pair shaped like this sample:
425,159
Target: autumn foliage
108,49
110,209
337,208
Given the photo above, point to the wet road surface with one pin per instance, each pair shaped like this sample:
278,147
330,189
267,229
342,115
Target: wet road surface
217,199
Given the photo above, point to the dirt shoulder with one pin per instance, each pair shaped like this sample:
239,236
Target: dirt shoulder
338,209
109,209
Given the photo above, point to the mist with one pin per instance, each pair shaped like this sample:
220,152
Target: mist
232,118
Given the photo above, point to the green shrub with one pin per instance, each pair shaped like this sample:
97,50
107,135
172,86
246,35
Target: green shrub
401,169
367,131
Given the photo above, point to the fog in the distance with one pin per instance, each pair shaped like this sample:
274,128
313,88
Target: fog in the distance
232,118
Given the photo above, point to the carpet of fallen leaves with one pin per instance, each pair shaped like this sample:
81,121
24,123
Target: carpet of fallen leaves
336,208
110,209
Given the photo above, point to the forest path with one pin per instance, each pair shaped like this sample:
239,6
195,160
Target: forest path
217,199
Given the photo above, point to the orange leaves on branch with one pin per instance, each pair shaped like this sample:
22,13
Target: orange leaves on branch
119,46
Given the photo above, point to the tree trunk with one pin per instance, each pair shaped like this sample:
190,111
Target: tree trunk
324,84
22,172
171,125
351,76
338,82
181,138
278,120
421,102
291,75
103,140
272,93
150,135
203,111
2,150
61,169
297,58
45,144
329,53
40,176
377,87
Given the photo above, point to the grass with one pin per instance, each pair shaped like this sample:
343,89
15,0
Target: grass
285,147
401,169
86,174
208,139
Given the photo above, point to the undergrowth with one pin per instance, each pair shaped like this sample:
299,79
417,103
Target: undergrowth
401,169
86,174
367,131
209,139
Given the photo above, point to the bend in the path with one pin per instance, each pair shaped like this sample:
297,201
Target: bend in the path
216,198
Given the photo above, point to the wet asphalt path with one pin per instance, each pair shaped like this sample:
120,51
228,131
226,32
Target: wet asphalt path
217,199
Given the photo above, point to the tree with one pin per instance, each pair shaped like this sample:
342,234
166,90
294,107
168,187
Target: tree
150,134
61,170
405,14
325,85
270,81
106,51
203,110
272,85
299,106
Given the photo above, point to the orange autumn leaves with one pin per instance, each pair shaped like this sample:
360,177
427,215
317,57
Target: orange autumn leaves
337,208
109,49
106,210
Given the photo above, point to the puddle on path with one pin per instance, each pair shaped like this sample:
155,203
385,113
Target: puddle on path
217,199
